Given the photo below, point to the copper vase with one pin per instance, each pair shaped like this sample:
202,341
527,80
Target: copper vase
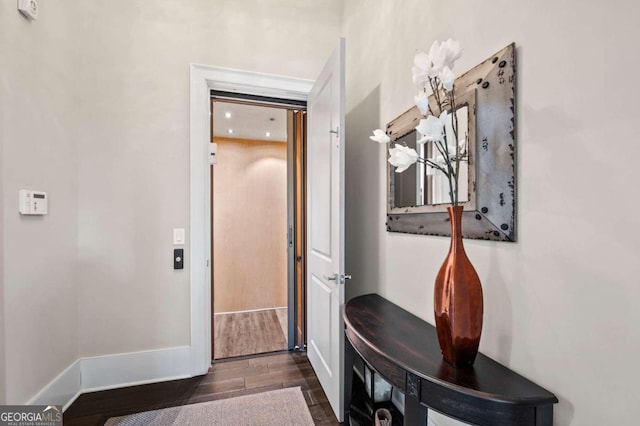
458,300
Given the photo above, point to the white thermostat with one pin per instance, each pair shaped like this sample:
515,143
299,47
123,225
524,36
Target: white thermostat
33,202
29,8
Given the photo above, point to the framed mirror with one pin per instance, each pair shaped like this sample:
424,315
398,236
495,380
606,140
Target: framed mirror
485,108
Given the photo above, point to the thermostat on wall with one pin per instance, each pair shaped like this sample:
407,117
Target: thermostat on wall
29,8
33,202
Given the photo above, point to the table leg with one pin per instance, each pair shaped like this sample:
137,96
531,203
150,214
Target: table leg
349,353
415,414
544,415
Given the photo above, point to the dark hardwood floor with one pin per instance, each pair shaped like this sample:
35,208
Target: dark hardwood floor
226,379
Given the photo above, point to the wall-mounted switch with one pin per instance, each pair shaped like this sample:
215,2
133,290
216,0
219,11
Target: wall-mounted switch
178,236
178,259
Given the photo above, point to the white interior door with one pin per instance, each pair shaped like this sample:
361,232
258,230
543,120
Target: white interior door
325,228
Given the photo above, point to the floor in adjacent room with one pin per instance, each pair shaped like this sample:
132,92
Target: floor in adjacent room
249,333
226,379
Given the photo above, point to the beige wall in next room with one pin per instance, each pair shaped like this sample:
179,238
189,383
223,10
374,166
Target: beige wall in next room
249,225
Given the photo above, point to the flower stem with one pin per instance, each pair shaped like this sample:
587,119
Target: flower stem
432,164
454,125
452,175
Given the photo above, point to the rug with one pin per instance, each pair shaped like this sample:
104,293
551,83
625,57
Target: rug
274,408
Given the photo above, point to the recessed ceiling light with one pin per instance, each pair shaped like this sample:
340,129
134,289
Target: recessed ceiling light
230,131
267,134
227,114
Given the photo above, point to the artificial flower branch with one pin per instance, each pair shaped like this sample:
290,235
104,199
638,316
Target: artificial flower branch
434,71
431,163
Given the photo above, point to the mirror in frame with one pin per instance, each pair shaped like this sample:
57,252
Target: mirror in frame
485,96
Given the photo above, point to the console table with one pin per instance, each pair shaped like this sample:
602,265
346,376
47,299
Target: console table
404,350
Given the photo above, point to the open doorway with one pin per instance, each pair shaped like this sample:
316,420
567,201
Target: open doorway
258,232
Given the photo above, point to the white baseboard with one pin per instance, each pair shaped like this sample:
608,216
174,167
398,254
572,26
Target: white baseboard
98,373
62,390
135,368
115,371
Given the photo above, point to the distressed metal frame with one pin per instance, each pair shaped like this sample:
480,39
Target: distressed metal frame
490,213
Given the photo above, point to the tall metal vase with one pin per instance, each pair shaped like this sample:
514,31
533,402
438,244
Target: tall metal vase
458,305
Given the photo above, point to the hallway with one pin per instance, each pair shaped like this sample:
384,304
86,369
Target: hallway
226,379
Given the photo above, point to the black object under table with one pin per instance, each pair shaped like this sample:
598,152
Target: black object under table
404,350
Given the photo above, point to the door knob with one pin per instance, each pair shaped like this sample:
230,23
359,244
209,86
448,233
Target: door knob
339,278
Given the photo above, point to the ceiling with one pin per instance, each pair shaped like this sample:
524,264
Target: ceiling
249,122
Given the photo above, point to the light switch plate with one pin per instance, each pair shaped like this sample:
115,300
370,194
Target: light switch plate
178,236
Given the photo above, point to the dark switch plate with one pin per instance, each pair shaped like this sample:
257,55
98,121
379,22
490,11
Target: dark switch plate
178,259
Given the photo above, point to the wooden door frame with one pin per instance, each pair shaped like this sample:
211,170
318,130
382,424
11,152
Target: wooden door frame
203,79
296,199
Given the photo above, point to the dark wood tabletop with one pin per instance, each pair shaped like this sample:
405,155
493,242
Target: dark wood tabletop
404,349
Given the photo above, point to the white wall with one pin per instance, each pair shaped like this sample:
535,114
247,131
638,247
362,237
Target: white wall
559,303
364,252
95,98
3,378
134,150
38,117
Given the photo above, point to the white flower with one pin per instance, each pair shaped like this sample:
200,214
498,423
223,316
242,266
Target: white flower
447,77
452,52
437,56
421,69
432,128
443,55
380,136
422,102
401,157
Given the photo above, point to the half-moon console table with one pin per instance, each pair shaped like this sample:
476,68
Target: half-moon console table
404,350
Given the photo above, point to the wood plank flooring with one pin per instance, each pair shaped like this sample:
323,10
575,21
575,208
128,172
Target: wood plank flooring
247,333
225,379
284,321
